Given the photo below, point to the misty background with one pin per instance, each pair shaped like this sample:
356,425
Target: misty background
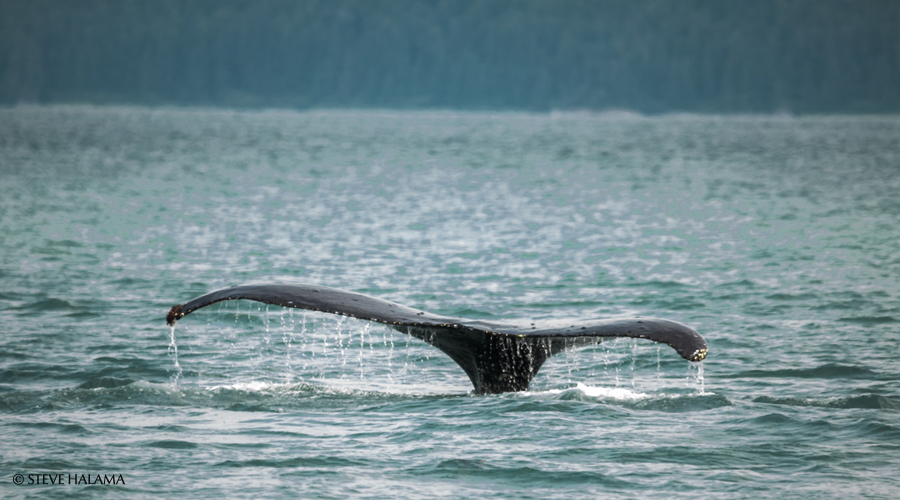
797,56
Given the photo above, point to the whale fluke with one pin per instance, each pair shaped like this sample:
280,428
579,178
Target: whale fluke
497,357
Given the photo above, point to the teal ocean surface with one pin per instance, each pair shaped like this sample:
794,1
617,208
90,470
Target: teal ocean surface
777,238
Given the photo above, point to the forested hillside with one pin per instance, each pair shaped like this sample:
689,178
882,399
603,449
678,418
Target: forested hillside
801,56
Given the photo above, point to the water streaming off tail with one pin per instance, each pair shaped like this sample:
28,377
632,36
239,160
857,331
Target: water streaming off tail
244,342
621,364
695,377
173,353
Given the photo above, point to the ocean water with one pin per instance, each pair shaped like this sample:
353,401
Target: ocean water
777,238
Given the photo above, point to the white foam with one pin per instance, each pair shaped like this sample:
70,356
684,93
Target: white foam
618,393
249,386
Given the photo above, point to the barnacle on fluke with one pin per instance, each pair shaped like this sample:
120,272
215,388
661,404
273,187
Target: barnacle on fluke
497,357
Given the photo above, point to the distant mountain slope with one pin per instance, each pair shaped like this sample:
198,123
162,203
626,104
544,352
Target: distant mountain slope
805,56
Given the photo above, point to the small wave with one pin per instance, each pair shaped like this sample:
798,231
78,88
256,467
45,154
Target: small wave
77,309
29,371
128,280
16,356
172,444
773,418
292,463
682,403
65,244
824,371
136,393
105,383
791,296
464,467
665,285
744,283
870,401
83,315
42,463
843,304
10,296
674,403
51,304
869,320
74,429
123,368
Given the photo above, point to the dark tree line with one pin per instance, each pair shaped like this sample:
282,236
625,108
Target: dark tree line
804,56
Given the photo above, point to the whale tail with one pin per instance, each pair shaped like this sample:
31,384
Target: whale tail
496,357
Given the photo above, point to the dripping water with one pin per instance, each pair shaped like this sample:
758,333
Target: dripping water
695,377
173,352
633,360
287,337
700,378
304,346
265,348
658,370
362,350
340,345
390,355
